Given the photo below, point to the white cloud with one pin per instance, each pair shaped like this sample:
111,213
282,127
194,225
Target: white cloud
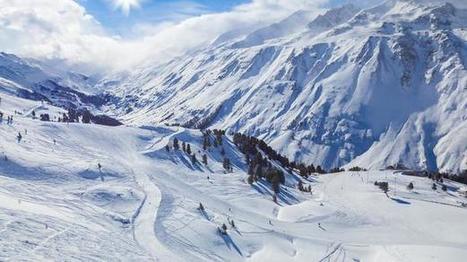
62,29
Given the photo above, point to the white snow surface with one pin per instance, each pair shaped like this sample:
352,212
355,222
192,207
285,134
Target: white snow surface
56,205
377,87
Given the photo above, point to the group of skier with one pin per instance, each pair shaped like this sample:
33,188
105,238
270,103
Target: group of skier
9,120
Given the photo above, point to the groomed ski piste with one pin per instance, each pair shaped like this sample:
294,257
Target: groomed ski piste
56,204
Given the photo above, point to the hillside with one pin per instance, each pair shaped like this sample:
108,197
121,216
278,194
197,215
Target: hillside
142,203
374,87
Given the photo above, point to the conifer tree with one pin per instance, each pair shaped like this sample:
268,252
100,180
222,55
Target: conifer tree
188,149
176,145
226,164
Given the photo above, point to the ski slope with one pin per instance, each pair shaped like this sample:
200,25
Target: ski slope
55,203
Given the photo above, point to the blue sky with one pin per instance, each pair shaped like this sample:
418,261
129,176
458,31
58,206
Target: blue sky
153,11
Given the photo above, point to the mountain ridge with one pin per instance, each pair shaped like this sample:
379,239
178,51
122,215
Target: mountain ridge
316,115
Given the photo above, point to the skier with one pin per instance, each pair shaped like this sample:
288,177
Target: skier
201,207
19,137
224,229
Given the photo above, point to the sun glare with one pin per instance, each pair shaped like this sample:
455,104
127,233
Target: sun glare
126,5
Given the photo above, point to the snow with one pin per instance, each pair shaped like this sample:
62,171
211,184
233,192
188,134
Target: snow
55,203
370,88
354,87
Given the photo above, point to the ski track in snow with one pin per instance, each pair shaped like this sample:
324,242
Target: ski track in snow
144,224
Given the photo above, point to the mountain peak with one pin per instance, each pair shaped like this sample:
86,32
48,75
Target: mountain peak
334,17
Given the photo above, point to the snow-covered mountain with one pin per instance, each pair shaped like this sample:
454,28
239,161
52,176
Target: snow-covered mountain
374,87
37,81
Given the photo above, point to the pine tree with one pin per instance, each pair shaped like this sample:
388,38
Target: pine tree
320,170
251,179
205,159
86,119
193,159
188,149
258,171
275,181
167,148
176,145
226,164
312,169
183,146
300,185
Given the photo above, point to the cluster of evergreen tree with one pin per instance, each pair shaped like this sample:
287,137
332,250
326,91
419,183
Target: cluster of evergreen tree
45,117
251,146
260,167
383,186
303,188
357,169
186,147
215,138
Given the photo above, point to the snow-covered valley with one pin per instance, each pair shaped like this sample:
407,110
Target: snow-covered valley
142,204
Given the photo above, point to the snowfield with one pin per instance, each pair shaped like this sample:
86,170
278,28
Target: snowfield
142,204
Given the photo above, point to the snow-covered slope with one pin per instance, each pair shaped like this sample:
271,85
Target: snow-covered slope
384,86
141,205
